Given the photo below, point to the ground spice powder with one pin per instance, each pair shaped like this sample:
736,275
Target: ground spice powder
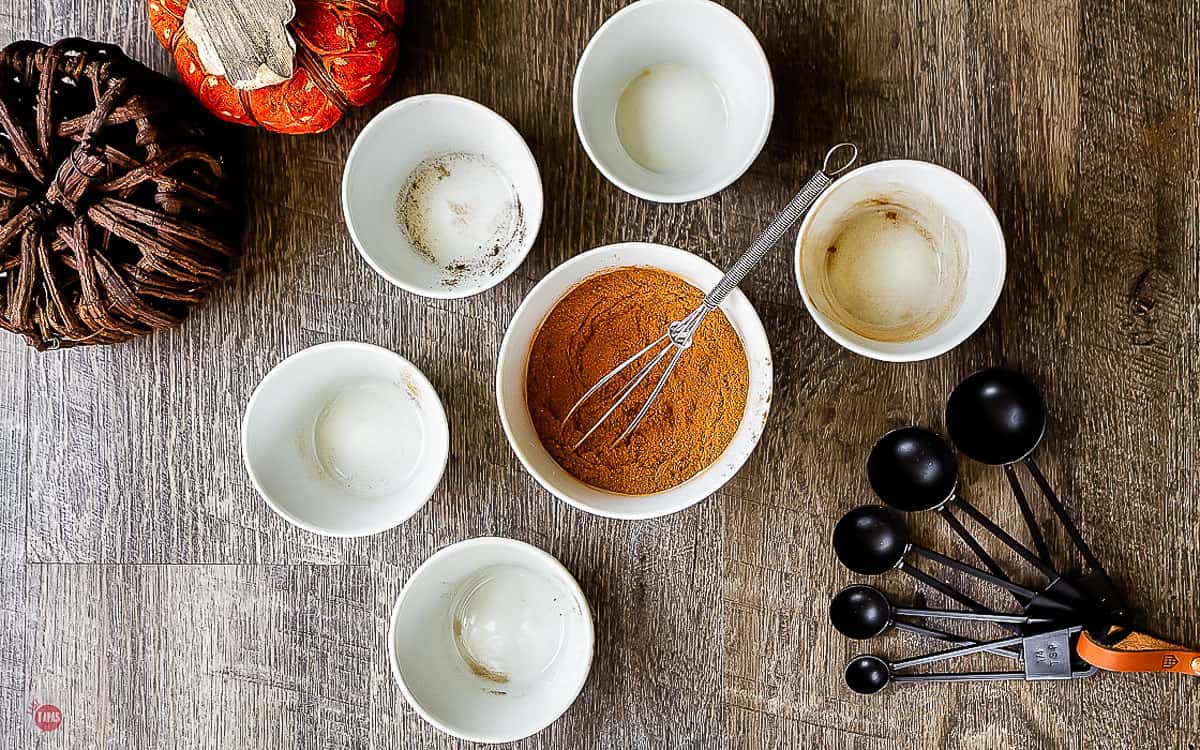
596,326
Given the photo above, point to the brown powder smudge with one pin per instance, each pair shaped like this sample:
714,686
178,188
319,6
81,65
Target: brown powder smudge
476,668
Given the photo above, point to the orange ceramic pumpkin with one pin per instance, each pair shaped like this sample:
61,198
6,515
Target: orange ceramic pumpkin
345,53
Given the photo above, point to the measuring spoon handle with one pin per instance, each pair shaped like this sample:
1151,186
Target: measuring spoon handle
942,635
1035,531
959,677
995,530
980,553
1065,518
949,614
971,570
777,228
954,653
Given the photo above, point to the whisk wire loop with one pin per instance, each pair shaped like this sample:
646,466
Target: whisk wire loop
624,392
612,374
653,395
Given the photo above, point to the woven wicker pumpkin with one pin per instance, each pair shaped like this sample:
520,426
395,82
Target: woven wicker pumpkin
114,208
345,53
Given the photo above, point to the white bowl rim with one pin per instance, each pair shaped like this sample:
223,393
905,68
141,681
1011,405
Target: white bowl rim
918,355
440,419
561,573
563,269
717,185
534,226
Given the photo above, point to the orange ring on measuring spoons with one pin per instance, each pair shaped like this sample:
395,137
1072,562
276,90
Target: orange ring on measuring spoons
1139,652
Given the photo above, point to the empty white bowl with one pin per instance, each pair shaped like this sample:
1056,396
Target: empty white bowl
345,439
947,202
477,169
514,355
650,37
491,640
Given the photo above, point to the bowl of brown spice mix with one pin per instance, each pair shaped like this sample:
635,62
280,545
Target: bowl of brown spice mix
589,315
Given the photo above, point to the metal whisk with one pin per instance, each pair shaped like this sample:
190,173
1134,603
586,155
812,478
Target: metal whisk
678,336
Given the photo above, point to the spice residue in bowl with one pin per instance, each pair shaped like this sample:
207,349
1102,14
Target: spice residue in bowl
369,438
597,325
461,212
508,626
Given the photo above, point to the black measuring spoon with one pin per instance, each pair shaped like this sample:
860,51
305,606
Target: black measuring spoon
997,416
912,470
868,674
1048,656
872,539
861,612
867,544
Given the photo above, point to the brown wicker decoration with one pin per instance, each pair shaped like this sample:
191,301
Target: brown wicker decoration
115,214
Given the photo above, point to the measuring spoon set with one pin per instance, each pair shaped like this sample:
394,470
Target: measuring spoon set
1068,624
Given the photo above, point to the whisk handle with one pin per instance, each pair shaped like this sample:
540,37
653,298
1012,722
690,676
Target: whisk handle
777,228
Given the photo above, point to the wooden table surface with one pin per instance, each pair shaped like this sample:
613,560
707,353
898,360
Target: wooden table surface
147,591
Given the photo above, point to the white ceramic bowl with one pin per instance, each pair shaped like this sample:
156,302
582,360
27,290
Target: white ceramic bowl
946,199
701,35
522,620
388,150
345,439
514,354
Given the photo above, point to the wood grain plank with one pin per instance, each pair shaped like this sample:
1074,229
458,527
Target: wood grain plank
14,491
203,656
14,415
